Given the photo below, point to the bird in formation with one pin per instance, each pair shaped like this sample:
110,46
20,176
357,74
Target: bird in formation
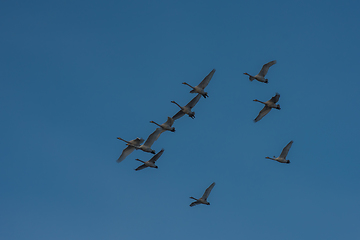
187,108
268,106
284,153
203,199
151,162
261,75
200,88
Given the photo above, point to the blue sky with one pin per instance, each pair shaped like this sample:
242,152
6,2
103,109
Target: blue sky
75,75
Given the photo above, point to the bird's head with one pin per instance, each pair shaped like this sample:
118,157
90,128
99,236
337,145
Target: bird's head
156,167
172,129
288,161
266,80
208,203
278,106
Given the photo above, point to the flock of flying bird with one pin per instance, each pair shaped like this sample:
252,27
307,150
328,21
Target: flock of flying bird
187,109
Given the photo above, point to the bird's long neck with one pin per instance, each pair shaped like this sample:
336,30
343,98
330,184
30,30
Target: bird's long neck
255,100
193,198
176,104
140,160
123,140
270,158
155,123
248,75
187,84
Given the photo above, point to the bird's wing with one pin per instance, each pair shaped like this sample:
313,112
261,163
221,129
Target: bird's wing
286,150
136,141
125,153
152,137
178,115
266,67
141,167
206,80
156,156
169,121
275,98
262,113
194,203
193,101
207,191
162,130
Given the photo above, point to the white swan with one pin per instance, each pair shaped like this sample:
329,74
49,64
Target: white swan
268,106
187,109
146,147
261,75
151,162
200,88
203,199
166,126
130,148
282,157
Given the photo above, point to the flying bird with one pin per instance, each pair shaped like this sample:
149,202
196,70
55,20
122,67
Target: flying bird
151,162
261,75
146,147
132,144
203,199
200,88
166,126
282,157
187,109
268,106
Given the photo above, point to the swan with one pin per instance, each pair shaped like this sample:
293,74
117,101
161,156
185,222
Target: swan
203,199
187,109
132,144
146,147
151,162
261,75
282,157
200,88
268,106
166,126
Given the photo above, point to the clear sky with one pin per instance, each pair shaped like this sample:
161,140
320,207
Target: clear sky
75,75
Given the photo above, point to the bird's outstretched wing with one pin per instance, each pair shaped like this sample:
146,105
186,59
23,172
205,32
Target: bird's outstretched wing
266,67
207,191
169,121
262,113
194,101
141,167
125,153
178,115
206,80
152,137
286,150
156,156
275,98
194,203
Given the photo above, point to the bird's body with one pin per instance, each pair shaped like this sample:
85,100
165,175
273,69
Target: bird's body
261,75
200,88
132,145
203,199
282,157
187,108
151,162
268,106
